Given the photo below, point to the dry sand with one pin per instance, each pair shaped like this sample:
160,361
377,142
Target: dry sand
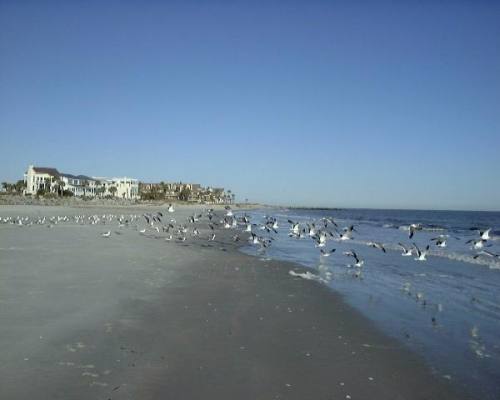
136,317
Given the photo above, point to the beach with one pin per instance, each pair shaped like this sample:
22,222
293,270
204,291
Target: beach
133,316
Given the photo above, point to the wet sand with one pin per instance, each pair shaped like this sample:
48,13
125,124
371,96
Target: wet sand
135,317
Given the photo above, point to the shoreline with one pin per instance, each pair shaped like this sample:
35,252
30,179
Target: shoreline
18,200
185,320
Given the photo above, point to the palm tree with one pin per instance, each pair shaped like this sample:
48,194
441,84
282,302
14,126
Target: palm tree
101,190
85,186
113,190
60,186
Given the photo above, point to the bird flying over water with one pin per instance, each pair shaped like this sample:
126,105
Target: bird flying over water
377,245
326,253
477,243
359,261
421,254
406,251
413,229
486,253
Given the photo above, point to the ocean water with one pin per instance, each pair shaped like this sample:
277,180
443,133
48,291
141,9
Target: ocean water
447,309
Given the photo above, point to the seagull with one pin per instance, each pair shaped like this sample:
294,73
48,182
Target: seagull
406,251
486,253
483,234
477,244
254,239
142,230
347,235
328,220
212,237
106,234
321,239
295,227
327,253
440,240
168,238
413,228
421,255
229,212
311,230
359,261
170,208
486,234
377,245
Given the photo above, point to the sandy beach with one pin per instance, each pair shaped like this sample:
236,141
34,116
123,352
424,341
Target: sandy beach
133,316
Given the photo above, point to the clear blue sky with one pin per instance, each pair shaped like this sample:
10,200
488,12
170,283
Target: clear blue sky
368,104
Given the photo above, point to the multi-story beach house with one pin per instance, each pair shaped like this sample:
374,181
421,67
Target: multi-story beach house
51,180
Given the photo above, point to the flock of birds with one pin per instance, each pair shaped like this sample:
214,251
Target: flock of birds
207,224
260,234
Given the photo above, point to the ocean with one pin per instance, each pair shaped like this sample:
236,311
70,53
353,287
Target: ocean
446,309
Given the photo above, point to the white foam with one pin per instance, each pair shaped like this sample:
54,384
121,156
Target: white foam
308,276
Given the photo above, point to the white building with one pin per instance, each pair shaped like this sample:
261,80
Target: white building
51,180
39,178
126,188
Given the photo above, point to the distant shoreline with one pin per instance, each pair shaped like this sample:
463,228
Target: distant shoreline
17,200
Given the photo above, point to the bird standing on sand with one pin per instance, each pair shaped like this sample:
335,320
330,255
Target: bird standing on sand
170,208
106,234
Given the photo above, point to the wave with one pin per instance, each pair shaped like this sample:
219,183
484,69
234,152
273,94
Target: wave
307,276
467,258
428,228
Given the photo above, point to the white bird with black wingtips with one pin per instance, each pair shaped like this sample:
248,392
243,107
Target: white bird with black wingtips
421,254
406,251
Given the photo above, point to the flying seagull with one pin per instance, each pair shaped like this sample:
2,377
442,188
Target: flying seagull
486,253
359,261
440,240
406,251
326,253
477,244
421,255
377,245
413,229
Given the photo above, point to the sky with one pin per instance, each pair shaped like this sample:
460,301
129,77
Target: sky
380,104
